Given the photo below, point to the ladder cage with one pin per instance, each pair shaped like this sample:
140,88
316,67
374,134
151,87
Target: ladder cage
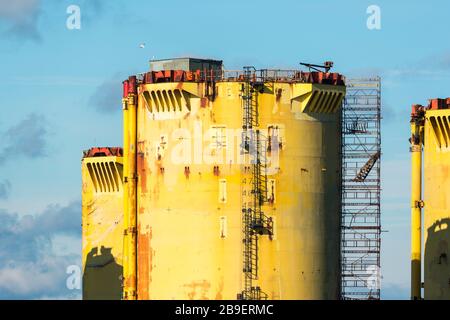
254,194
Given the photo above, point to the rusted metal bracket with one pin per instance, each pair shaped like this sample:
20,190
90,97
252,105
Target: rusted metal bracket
419,204
130,230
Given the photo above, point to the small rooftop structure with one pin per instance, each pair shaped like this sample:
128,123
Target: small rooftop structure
186,64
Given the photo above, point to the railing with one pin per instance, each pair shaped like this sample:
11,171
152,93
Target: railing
262,75
255,76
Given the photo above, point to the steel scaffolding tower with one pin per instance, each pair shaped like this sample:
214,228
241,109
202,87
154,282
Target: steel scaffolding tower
360,216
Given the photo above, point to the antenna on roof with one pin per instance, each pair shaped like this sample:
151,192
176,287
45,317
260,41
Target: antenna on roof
327,65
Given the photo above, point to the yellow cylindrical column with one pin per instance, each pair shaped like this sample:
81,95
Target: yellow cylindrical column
130,177
416,210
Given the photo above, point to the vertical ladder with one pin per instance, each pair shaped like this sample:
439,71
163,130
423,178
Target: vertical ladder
261,224
250,99
254,222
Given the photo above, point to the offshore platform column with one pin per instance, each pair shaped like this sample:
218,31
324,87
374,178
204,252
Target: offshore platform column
417,125
102,224
430,136
129,183
192,228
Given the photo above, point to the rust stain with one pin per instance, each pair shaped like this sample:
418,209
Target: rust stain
198,290
143,171
145,263
129,281
203,102
156,184
140,146
180,85
278,95
159,166
212,115
219,295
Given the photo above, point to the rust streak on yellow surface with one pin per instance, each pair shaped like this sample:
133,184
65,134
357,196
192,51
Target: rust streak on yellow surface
219,291
145,263
142,170
198,289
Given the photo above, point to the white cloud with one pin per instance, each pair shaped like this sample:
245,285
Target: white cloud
28,138
32,278
30,267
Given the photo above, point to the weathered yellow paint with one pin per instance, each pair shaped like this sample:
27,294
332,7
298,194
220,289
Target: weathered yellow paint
126,147
188,202
183,251
130,179
102,227
416,209
308,96
437,204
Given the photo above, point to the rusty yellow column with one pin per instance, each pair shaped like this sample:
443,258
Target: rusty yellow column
416,205
130,177
125,178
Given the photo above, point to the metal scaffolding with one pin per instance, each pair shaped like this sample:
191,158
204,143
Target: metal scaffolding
360,216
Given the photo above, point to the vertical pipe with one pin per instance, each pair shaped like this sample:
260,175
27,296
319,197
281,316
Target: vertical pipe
130,177
416,208
126,147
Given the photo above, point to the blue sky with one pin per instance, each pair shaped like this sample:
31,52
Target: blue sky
61,89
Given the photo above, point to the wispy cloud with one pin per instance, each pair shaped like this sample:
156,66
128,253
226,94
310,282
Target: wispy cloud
34,279
92,11
93,8
5,189
54,220
438,61
445,60
21,18
26,139
388,113
435,66
28,267
107,97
